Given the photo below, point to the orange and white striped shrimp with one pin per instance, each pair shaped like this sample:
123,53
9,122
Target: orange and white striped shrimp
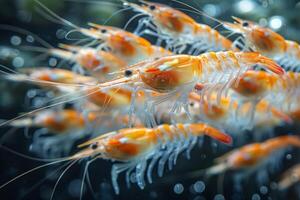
127,46
98,63
281,90
51,77
179,29
231,114
176,76
290,177
253,154
267,42
133,148
59,122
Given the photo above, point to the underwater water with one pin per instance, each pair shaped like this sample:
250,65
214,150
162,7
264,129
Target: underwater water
30,29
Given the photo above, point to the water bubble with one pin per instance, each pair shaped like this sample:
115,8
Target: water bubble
211,9
273,185
178,188
74,188
199,186
18,62
245,6
15,40
263,190
255,197
52,62
288,156
29,38
276,22
219,197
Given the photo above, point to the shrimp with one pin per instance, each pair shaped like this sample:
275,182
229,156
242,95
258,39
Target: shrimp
253,154
134,147
234,115
59,122
176,76
178,29
267,42
125,45
98,63
290,177
51,76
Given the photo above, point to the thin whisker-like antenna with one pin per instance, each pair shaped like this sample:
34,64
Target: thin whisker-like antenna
59,178
114,14
131,20
32,170
84,175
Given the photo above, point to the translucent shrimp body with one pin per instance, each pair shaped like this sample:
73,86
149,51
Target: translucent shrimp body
61,121
177,28
252,154
98,63
231,114
268,43
136,146
127,46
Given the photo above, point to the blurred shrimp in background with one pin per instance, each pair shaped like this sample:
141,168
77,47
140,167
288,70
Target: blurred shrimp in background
150,76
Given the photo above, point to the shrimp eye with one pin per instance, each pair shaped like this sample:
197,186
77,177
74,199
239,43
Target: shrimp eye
245,24
192,104
94,146
103,31
128,73
152,7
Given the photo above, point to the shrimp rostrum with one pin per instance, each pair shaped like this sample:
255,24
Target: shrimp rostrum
133,148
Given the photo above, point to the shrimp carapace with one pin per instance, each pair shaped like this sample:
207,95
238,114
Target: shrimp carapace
267,42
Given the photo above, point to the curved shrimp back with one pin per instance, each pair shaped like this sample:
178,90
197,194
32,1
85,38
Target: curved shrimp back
252,154
134,147
98,63
233,115
267,42
127,46
290,177
178,29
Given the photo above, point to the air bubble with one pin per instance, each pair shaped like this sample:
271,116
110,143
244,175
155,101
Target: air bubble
288,156
219,197
178,188
74,188
263,190
30,39
199,186
15,40
255,197
18,62
52,62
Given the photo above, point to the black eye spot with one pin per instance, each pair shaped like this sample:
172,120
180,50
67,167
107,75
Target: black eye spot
245,24
94,146
128,73
192,104
103,31
152,7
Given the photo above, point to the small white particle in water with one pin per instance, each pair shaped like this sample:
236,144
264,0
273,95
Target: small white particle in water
31,93
199,186
255,197
133,178
29,38
245,6
52,62
219,197
273,185
178,188
276,22
15,40
263,190
288,156
74,188
211,9
263,22
18,62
